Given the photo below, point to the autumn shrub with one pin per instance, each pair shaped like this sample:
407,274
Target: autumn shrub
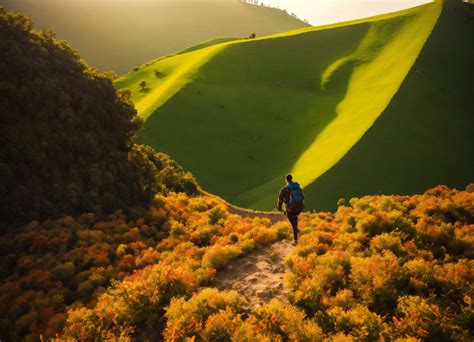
343,299
247,245
219,256
387,241
216,215
262,236
203,235
211,315
375,279
419,274
358,321
417,317
182,264
222,326
286,322
313,279
248,331
208,313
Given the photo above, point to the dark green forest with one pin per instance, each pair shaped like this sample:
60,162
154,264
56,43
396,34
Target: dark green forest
66,134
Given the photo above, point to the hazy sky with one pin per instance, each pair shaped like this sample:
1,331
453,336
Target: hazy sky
329,11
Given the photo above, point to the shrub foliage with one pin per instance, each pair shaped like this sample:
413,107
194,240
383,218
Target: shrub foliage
389,267
102,277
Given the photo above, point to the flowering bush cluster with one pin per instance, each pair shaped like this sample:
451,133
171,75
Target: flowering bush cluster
382,268
389,267
104,277
205,239
211,315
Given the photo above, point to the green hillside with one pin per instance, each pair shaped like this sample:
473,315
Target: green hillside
424,137
241,114
118,35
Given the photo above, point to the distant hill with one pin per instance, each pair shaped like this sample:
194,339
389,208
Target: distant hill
118,35
241,114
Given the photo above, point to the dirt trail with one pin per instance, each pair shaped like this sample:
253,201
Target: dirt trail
257,276
233,209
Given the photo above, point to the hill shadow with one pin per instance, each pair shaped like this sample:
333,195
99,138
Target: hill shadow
261,99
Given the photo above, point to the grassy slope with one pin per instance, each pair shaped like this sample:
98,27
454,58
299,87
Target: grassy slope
424,137
262,108
378,67
205,44
117,35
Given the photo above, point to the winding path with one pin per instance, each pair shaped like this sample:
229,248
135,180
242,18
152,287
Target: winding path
258,276
233,209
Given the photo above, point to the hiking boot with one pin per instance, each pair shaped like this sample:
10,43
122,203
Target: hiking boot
294,243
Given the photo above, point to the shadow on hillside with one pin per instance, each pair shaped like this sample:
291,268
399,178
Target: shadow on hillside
253,110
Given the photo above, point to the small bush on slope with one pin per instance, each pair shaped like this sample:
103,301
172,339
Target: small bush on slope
188,318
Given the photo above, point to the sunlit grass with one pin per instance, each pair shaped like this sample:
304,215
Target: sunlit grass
241,114
382,61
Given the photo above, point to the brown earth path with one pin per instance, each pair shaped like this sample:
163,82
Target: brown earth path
274,216
257,276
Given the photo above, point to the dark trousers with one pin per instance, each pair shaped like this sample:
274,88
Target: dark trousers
293,218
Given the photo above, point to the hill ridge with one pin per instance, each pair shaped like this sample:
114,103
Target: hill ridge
118,35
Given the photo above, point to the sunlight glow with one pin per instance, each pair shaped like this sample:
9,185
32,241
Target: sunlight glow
321,12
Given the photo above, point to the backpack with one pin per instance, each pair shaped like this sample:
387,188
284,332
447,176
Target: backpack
296,202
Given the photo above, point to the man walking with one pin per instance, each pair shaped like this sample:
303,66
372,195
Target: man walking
293,197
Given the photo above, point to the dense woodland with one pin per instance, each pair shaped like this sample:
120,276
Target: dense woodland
66,134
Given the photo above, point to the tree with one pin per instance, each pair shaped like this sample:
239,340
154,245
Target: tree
142,85
253,36
76,153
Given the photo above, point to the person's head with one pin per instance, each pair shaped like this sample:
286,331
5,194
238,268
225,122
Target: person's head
289,178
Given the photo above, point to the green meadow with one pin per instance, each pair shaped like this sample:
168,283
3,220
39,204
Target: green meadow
240,114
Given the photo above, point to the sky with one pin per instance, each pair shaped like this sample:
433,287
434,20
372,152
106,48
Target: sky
320,12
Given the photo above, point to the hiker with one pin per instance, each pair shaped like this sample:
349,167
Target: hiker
293,197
